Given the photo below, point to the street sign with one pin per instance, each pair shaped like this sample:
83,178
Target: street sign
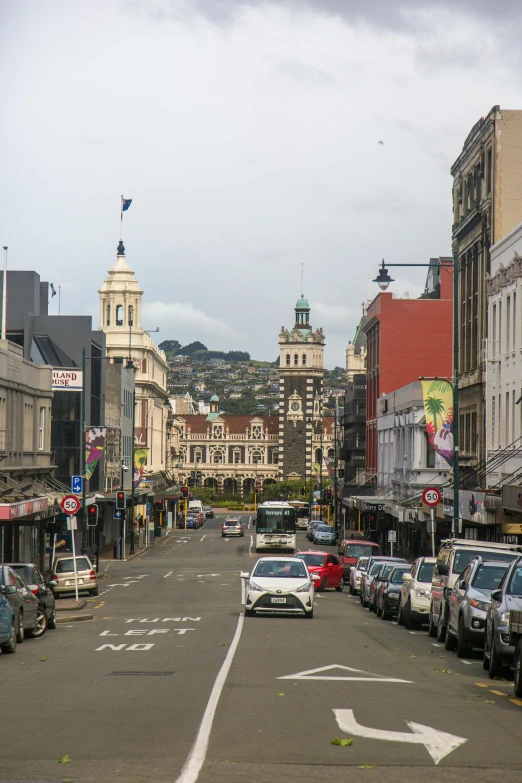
72,523
70,505
117,513
76,485
431,496
392,536
373,508
431,526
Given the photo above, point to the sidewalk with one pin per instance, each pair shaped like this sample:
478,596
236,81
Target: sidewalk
108,553
69,610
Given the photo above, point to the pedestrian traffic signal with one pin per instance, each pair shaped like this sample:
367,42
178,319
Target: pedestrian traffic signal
184,492
92,515
120,500
328,494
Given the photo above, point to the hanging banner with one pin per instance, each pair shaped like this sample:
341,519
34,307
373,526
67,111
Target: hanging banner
94,446
438,410
140,460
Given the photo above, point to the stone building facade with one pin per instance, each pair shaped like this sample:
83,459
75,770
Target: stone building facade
487,201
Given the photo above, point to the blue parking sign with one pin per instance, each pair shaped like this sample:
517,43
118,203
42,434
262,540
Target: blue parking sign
117,513
76,485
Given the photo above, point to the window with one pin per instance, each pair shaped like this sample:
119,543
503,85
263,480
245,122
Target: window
131,315
108,315
41,430
493,423
218,458
489,172
257,457
304,360
119,315
430,452
508,323
296,359
275,457
288,360
514,308
236,457
198,455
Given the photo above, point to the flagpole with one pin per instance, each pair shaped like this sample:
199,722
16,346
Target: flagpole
121,218
4,297
59,300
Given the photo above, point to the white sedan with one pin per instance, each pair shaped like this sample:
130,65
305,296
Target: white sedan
279,585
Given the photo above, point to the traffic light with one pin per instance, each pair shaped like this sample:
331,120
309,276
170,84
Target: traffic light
328,494
372,522
121,500
303,490
191,481
184,492
92,515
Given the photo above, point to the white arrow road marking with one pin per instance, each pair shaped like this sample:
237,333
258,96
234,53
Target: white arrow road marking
203,537
200,575
437,743
314,674
169,573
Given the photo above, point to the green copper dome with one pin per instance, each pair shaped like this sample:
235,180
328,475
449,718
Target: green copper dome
302,304
214,398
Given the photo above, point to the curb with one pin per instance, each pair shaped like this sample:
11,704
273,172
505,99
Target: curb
74,618
82,605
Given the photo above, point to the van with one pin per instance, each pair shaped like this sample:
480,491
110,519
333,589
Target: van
196,505
350,550
454,555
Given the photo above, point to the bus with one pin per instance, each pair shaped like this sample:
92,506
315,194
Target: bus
303,513
275,526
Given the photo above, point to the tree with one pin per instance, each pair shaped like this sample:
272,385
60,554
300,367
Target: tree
292,489
435,407
191,348
170,346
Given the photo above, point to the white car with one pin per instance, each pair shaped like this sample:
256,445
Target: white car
279,585
356,573
414,608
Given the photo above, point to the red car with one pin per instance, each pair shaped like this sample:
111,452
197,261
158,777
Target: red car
325,569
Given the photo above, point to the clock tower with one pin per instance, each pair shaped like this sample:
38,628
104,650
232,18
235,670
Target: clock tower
300,394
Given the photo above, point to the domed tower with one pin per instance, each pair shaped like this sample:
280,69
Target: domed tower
301,374
120,298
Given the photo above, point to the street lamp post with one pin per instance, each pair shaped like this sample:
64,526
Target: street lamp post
383,280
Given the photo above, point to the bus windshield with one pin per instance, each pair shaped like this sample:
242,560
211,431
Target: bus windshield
275,520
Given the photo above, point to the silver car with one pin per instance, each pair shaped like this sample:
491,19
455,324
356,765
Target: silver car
325,534
498,650
469,603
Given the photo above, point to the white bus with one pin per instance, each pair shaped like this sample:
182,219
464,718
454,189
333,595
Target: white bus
275,526
303,513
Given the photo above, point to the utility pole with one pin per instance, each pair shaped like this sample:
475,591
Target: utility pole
456,525
82,457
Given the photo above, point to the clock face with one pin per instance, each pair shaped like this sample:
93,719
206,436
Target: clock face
295,406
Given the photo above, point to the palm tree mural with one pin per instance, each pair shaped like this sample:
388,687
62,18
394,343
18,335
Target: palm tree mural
438,408
435,407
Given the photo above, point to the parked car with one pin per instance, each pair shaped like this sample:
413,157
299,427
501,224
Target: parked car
324,534
279,585
209,512
372,567
380,577
7,627
232,526
62,575
35,582
454,555
28,618
311,527
498,650
325,569
350,550
469,603
389,593
414,605
356,573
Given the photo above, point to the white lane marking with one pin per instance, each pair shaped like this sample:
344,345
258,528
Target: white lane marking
203,537
196,757
437,743
470,663
200,575
243,591
434,644
315,674
169,573
413,633
249,521
251,543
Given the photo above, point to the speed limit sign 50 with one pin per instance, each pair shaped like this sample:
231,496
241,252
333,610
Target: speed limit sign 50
431,496
70,504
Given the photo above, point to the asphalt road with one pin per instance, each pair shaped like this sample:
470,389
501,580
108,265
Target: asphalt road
169,683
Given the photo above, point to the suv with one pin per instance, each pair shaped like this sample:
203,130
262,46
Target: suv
351,550
498,652
232,526
62,575
415,596
469,603
356,573
454,555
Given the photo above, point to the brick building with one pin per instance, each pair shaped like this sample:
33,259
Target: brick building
406,339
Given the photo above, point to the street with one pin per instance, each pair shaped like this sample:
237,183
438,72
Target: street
130,695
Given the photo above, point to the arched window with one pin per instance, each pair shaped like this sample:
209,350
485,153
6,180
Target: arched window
318,455
198,455
304,360
218,458
236,456
288,359
331,453
296,359
108,315
119,315
131,315
257,457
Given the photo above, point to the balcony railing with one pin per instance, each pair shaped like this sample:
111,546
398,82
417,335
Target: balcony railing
208,437
5,440
228,466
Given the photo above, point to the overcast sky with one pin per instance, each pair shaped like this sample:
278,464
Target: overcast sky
248,136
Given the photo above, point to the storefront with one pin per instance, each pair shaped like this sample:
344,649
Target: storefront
23,528
511,520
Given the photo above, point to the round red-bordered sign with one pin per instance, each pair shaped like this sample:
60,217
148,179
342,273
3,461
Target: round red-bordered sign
431,496
70,505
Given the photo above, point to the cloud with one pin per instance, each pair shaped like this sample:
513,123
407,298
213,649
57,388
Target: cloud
182,321
335,317
303,73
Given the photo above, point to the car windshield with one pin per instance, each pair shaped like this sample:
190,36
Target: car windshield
312,560
67,564
384,573
464,557
276,520
231,522
25,572
324,529
361,564
515,583
396,576
488,577
375,568
426,572
281,569
360,550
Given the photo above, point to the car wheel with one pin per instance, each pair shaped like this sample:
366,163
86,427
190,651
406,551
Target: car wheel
41,625
10,646
249,613
385,614
400,621
309,615
322,584
485,657
378,611
94,592
464,648
20,629
518,671
441,627
495,664
52,620
340,586
406,617
350,590
432,628
450,643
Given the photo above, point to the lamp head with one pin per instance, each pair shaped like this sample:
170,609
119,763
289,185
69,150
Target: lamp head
383,279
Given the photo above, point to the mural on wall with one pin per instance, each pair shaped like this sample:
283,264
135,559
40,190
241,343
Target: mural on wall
140,460
438,410
94,446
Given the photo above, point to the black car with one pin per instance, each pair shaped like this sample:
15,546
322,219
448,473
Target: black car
28,616
209,512
35,582
389,595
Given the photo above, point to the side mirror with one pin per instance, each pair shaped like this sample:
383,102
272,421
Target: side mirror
496,595
330,565
244,575
52,583
407,578
352,568
462,584
443,569
10,589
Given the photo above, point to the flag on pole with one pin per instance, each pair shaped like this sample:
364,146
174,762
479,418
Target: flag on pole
125,203
53,291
